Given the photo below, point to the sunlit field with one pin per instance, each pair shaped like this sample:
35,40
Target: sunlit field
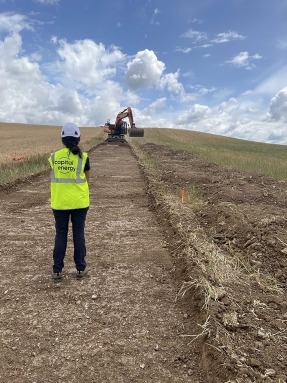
25,148
260,158
21,141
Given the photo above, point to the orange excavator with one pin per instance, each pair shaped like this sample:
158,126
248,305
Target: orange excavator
119,129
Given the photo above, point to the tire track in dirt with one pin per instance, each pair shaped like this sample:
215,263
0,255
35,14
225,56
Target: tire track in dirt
120,324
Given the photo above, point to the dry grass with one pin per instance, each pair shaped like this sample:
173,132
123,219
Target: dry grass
21,141
205,331
25,148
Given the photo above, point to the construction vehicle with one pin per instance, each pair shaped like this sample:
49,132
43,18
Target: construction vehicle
118,130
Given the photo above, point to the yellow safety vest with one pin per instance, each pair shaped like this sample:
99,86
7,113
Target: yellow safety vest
69,187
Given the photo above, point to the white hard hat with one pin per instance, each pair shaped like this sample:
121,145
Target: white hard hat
70,130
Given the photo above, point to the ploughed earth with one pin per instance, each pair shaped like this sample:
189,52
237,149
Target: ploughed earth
190,290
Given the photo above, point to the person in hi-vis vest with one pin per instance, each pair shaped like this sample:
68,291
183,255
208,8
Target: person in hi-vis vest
70,173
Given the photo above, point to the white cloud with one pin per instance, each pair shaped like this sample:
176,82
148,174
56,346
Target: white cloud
154,20
233,119
244,60
14,23
170,82
9,48
196,36
144,70
156,105
85,85
183,50
205,46
228,106
220,38
87,65
197,21
48,2
83,89
278,106
195,114
68,103
226,37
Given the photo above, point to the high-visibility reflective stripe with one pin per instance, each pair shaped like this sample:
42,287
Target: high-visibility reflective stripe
77,180
68,180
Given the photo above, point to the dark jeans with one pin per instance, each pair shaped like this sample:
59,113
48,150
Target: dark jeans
78,219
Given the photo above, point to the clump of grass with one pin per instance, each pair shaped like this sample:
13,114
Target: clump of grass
149,163
16,170
191,196
210,291
205,331
253,273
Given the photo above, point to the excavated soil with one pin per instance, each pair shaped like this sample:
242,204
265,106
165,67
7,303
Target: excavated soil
126,322
243,216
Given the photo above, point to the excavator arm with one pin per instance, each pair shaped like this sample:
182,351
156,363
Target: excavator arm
125,113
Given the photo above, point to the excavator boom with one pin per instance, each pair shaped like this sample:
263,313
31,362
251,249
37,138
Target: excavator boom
125,113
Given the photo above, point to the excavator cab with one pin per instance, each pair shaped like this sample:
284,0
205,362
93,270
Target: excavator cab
122,128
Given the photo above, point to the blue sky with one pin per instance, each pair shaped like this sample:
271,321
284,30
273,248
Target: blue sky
217,66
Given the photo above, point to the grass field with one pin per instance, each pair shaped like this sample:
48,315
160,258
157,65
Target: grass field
23,141
259,158
25,149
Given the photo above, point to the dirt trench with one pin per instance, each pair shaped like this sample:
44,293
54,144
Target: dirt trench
120,324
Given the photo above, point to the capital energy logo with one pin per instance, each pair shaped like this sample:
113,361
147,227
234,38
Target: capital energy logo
65,165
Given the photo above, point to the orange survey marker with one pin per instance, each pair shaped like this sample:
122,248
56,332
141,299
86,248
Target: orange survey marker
183,191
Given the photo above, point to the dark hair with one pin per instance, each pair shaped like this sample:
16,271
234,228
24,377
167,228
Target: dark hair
72,143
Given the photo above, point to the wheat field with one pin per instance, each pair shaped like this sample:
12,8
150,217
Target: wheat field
21,141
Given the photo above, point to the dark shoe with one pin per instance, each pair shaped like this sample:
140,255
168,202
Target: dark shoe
57,276
81,274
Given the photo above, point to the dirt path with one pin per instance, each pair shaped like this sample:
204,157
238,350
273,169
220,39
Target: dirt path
121,323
